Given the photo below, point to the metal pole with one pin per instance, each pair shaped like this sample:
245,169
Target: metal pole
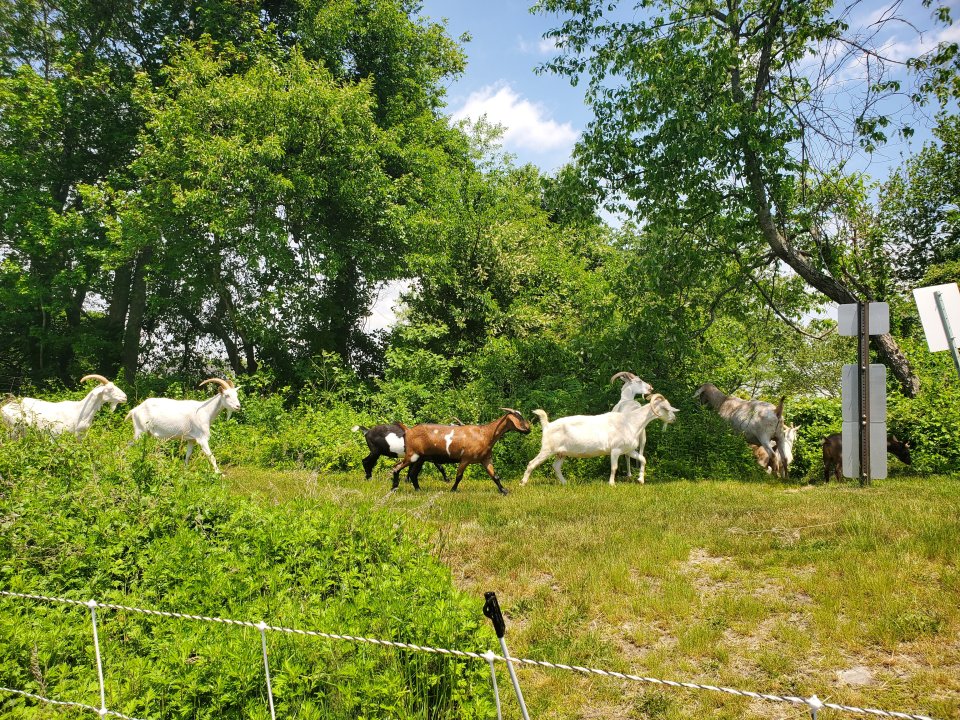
513,679
491,608
863,360
951,340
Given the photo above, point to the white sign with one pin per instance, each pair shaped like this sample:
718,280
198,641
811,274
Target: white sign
850,440
878,316
850,397
930,316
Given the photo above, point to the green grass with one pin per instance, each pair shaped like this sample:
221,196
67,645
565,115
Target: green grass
756,585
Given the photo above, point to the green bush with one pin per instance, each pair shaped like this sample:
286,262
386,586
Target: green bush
91,518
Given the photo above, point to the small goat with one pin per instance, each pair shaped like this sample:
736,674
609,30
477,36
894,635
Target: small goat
785,450
462,444
188,420
386,441
760,423
612,433
833,454
632,386
74,416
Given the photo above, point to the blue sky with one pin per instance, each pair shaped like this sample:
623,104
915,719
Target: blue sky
543,114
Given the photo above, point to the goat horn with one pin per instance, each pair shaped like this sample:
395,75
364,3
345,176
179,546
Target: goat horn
511,410
217,381
624,374
100,378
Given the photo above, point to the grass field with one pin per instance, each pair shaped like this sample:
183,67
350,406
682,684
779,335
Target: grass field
850,593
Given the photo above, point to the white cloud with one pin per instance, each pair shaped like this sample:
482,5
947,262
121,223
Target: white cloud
543,46
526,124
920,44
383,313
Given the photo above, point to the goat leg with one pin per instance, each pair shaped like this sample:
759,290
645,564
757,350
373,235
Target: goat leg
413,473
488,466
369,462
460,470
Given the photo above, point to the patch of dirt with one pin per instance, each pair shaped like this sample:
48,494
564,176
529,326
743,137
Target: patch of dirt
858,676
697,569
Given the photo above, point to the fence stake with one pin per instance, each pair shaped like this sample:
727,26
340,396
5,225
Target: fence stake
490,657
262,627
491,608
815,704
92,604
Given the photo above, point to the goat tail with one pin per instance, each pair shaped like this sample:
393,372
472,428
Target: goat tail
779,409
359,428
544,420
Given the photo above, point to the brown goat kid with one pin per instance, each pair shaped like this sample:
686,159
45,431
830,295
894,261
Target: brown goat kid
462,444
833,454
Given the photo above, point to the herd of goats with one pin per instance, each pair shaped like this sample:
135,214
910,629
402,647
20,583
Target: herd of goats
620,432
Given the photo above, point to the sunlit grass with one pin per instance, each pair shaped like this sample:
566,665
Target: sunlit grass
762,586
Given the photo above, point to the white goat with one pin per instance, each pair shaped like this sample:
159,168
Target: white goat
74,416
185,419
785,450
612,433
632,386
760,423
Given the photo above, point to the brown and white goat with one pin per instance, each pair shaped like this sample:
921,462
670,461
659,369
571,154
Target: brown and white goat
462,444
833,454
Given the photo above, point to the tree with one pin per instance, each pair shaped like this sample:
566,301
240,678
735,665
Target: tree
703,112
920,205
90,94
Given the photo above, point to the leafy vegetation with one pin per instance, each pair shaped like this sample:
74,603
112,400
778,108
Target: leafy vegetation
131,527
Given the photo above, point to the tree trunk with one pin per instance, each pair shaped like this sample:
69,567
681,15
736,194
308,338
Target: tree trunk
112,349
886,346
137,308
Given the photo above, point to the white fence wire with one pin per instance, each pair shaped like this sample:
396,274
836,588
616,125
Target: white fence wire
814,704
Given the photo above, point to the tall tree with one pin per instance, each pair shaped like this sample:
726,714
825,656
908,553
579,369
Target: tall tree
921,205
703,115
88,91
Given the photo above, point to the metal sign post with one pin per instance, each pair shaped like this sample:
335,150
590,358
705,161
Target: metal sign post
863,390
939,308
944,318
865,423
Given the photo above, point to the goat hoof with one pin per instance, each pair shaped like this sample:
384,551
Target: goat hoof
503,491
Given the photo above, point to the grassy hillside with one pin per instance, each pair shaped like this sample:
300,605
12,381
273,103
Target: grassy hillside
756,585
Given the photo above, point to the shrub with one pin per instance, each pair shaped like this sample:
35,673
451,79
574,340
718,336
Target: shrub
130,527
